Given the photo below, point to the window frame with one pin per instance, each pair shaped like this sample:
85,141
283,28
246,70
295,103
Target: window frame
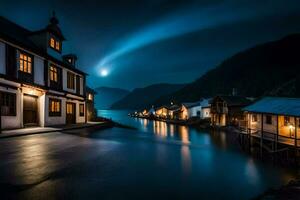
53,71
269,119
81,106
286,120
54,113
254,118
29,62
70,83
55,43
10,102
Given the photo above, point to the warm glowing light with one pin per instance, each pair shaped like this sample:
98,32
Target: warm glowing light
104,72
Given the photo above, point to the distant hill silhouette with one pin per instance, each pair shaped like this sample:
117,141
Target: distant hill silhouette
267,69
106,96
144,97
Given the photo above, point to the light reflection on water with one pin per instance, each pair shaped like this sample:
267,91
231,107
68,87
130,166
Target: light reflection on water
208,159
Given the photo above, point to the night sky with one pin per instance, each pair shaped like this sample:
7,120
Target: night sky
138,43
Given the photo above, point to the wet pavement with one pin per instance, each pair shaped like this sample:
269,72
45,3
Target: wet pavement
130,164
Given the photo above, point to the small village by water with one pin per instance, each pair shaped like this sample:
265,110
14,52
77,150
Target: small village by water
206,155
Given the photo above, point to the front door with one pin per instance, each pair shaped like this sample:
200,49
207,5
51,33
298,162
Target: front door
29,110
71,113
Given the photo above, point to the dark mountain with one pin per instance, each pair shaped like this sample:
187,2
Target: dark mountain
106,96
268,69
144,97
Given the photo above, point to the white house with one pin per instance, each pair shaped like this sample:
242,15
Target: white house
190,110
38,85
205,109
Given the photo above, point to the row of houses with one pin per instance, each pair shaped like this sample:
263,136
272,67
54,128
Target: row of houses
221,110
184,111
38,85
271,118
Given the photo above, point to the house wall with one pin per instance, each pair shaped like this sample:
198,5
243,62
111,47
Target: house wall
79,119
55,120
192,112
2,58
12,122
64,80
184,113
272,128
39,71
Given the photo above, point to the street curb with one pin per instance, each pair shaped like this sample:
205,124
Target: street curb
103,125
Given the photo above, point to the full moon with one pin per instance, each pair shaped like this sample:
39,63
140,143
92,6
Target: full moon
104,72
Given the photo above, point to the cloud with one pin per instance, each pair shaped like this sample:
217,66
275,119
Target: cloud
191,20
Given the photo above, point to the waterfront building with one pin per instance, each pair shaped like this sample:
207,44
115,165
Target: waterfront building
91,113
227,110
205,112
39,86
274,118
162,112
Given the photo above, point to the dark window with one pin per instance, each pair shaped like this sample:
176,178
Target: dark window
254,118
54,107
268,119
8,104
25,62
286,121
81,109
70,80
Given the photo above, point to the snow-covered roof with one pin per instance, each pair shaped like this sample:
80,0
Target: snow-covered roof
205,103
191,105
276,105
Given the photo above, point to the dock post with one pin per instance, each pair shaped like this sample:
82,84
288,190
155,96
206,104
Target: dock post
262,134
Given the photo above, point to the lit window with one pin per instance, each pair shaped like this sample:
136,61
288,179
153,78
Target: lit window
52,42
286,121
254,118
57,46
81,109
54,107
25,63
90,97
70,80
53,73
69,108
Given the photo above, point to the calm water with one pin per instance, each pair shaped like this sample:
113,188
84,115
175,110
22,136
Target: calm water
178,161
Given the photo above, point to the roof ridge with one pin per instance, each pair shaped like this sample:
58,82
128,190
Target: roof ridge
14,23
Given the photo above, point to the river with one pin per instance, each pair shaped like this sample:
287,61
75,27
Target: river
179,161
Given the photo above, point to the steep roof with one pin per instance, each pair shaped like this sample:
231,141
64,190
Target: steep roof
276,105
190,105
174,107
205,103
19,35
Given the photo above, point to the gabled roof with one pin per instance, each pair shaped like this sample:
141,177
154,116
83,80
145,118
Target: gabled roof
174,107
276,105
18,35
235,100
205,103
163,106
190,105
